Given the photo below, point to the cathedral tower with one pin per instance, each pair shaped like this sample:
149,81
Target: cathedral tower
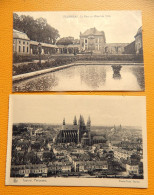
82,127
64,121
88,124
75,121
89,128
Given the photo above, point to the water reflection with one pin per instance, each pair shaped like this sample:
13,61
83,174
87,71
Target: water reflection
117,76
86,78
116,71
92,77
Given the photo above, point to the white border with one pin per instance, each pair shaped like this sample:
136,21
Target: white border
106,182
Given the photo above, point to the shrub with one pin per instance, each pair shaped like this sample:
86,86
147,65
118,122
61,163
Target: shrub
21,58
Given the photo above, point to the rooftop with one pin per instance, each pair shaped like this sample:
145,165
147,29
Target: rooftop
98,137
139,31
19,35
43,44
70,127
92,31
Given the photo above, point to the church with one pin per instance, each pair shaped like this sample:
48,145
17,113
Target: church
77,133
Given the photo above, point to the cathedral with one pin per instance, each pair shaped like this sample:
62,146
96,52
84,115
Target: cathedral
77,133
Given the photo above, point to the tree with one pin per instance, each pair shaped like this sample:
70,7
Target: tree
37,30
65,41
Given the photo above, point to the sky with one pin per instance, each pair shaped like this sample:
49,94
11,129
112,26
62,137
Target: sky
103,110
119,26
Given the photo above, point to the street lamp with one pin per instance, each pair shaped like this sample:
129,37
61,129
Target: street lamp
39,52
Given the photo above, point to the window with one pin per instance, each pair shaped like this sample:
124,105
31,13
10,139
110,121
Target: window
85,40
19,42
27,49
27,43
24,42
19,48
23,48
13,41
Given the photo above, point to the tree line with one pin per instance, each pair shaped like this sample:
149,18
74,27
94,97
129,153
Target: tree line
36,29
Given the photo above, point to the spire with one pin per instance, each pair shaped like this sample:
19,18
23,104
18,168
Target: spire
75,121
64,121
88,123
80,120
89,120
83,123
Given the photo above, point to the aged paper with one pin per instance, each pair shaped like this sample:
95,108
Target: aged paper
77,141
78,51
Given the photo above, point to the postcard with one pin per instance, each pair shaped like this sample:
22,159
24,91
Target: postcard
76,140
78,51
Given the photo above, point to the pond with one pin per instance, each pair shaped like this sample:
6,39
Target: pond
86,78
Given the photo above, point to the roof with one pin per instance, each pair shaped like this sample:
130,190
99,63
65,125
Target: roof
43,44
70,127
123,151
20,35
139,31
91,162
92,31
74,45
98,137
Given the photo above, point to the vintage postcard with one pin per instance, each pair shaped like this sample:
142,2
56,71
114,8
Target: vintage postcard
77,141
78,51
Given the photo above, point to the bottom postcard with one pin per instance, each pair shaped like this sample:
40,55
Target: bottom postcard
74,140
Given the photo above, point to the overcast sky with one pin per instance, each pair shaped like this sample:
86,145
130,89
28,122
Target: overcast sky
103,110
119,26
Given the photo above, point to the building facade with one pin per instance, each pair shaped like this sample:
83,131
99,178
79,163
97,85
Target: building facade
138,41
79,133
92,40
22,45
76,133
135,47
21,42
115,48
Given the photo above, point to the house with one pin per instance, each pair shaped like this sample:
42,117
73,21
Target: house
92,40
21,43
132,169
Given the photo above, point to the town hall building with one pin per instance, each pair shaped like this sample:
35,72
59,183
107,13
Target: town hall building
94,41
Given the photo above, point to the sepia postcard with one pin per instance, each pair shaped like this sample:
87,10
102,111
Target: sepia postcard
76,140
78,51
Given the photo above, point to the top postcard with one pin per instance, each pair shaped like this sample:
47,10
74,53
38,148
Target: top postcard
78,51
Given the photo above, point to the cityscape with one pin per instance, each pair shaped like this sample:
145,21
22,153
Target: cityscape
76,150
